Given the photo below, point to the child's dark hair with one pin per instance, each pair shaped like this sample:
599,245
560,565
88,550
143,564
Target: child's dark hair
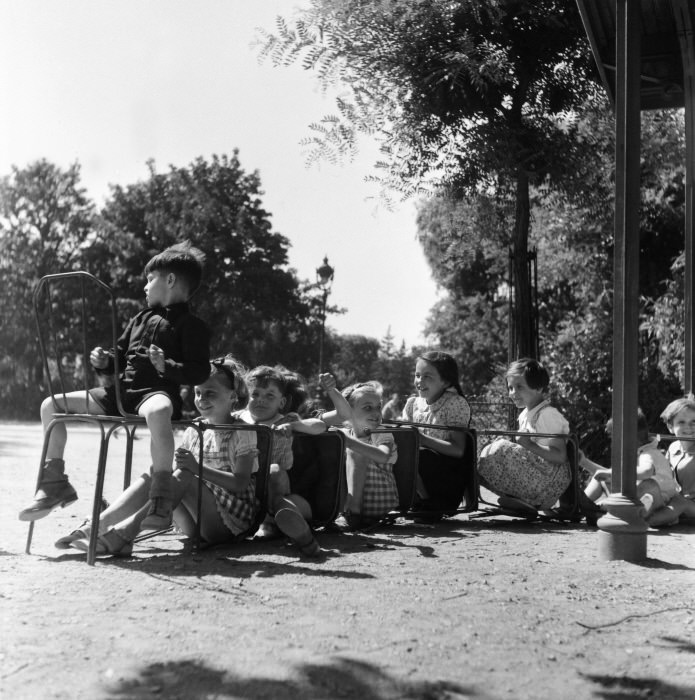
532,371
230,372
290,384
446,367
676,406
185,261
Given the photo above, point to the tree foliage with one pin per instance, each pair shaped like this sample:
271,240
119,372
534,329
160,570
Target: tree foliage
45,221
475,96
249,296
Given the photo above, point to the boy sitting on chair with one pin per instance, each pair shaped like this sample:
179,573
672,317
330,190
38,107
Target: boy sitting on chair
161,348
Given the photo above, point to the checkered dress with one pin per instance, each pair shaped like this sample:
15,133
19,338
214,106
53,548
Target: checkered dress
221,449
380,494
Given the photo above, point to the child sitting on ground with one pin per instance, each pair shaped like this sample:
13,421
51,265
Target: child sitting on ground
275,394
229,463
656,486
440,401
679,417
371,485
529,474
161,348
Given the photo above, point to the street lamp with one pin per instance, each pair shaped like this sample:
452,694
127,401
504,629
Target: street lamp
324,279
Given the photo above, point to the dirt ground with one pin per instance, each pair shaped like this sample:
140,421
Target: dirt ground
470,608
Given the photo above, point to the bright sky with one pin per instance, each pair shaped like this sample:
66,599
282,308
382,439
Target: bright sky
113,83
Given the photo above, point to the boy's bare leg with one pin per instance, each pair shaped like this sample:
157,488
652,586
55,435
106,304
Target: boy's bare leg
157,411
54,488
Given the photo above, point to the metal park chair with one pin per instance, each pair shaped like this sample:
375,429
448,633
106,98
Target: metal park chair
467,462
318,473
569,506
75,312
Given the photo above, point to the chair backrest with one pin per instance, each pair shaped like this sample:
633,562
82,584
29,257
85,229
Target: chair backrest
318,473
75,312
469,460
407,441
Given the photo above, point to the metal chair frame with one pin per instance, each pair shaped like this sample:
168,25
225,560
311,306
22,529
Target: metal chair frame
468,459
570,498
108,425
331,464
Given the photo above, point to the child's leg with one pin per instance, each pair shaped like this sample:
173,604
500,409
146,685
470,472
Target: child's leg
54,488
212,527
649,493
356,473
128,502
157,411
594,489
278,487
292,517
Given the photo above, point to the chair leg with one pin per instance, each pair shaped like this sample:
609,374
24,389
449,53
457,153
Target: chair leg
44,450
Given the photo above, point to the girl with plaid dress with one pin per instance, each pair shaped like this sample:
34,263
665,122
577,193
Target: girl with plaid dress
229,462
371,485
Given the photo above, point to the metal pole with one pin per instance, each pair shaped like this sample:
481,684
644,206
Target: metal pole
623,532
323,330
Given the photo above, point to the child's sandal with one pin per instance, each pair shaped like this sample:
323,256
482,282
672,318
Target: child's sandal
81,533
111,543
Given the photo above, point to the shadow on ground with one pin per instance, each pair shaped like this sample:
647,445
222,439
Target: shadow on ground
341,678
626,688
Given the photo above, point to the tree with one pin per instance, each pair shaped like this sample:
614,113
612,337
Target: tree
473,96
249,296
45,220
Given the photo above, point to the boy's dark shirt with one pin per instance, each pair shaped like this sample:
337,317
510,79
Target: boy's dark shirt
184,339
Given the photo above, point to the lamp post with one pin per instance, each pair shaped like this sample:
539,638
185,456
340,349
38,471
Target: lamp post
324,279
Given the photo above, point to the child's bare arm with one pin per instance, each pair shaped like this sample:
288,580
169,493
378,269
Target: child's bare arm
237,481
454,447
645,467
342,407
555,451
377,453
99,358
310,426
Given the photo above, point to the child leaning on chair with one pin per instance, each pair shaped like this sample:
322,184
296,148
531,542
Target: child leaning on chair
162,347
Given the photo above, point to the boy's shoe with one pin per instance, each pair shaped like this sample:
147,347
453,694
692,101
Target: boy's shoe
293,524
268,530
54,490
160,514
348,521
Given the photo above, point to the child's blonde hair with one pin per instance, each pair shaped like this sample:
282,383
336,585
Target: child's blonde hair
669,413
354,390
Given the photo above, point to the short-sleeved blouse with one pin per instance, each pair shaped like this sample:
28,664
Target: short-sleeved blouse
449,409
543,418
222,448
282,444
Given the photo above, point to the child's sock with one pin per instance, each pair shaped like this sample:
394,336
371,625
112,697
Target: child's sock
159,515
54,490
